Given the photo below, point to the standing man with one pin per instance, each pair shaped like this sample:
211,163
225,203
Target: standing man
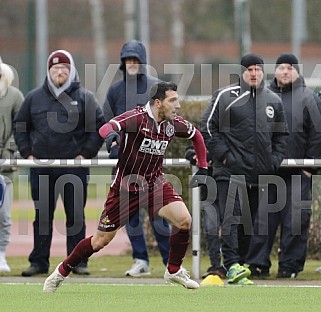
140,181
59,120
124,95
244,130
302,109
11,99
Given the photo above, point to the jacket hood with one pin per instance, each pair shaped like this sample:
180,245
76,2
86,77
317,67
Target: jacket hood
133,48
6,78
73,75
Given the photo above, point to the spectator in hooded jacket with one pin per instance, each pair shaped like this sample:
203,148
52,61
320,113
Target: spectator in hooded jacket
302,110
59,120
122,96
11,99
245,131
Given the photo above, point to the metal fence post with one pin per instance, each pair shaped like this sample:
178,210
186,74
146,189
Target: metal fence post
196,229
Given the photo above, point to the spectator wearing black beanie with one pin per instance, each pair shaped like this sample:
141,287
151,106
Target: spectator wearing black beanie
245,132
250,60
302,110
288,58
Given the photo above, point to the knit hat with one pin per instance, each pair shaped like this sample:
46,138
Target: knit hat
251,59
58,58
61,57
288,59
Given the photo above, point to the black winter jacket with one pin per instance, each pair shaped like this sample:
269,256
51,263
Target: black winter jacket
302,109
59,128
247,128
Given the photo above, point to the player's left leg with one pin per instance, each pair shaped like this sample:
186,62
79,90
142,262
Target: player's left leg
177,213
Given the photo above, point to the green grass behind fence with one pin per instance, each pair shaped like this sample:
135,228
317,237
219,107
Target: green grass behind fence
115,266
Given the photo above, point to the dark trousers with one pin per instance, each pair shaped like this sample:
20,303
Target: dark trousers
46,185
135,231
237,204
212,223
293,214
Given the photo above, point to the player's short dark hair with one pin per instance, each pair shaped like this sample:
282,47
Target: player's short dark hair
158,90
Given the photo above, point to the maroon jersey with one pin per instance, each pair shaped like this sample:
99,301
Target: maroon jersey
143,146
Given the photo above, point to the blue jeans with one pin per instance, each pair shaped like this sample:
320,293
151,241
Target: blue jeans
135,231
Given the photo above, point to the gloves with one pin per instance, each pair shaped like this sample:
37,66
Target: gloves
110,138
203,192
189,155
199,178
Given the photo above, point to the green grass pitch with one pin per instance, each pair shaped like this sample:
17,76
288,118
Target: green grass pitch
156,297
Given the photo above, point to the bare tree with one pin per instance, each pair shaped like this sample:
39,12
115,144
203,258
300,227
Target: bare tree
97,13
178,30
130,25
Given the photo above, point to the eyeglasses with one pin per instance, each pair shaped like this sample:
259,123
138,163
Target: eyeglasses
63,69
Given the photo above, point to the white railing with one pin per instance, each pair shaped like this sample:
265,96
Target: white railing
168,162
78,162
102,162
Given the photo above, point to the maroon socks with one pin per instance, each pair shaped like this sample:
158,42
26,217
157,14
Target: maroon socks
82,251
178,241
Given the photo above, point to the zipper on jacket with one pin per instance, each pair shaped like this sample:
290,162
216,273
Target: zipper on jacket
255,134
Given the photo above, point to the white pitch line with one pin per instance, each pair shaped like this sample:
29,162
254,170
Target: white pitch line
163,285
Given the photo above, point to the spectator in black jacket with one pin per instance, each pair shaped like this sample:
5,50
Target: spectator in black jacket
302,110
59,120
124,95
245,131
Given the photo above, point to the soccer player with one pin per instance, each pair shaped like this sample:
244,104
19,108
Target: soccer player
140,183
123,95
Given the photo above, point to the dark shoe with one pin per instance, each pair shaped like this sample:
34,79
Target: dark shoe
221,272
34,270
81,270
259,272
286,273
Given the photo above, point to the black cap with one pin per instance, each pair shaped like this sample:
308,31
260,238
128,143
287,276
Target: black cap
251,59
288,58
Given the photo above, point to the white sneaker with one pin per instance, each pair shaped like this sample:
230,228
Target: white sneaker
4,267
181,277
138,269
53,281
